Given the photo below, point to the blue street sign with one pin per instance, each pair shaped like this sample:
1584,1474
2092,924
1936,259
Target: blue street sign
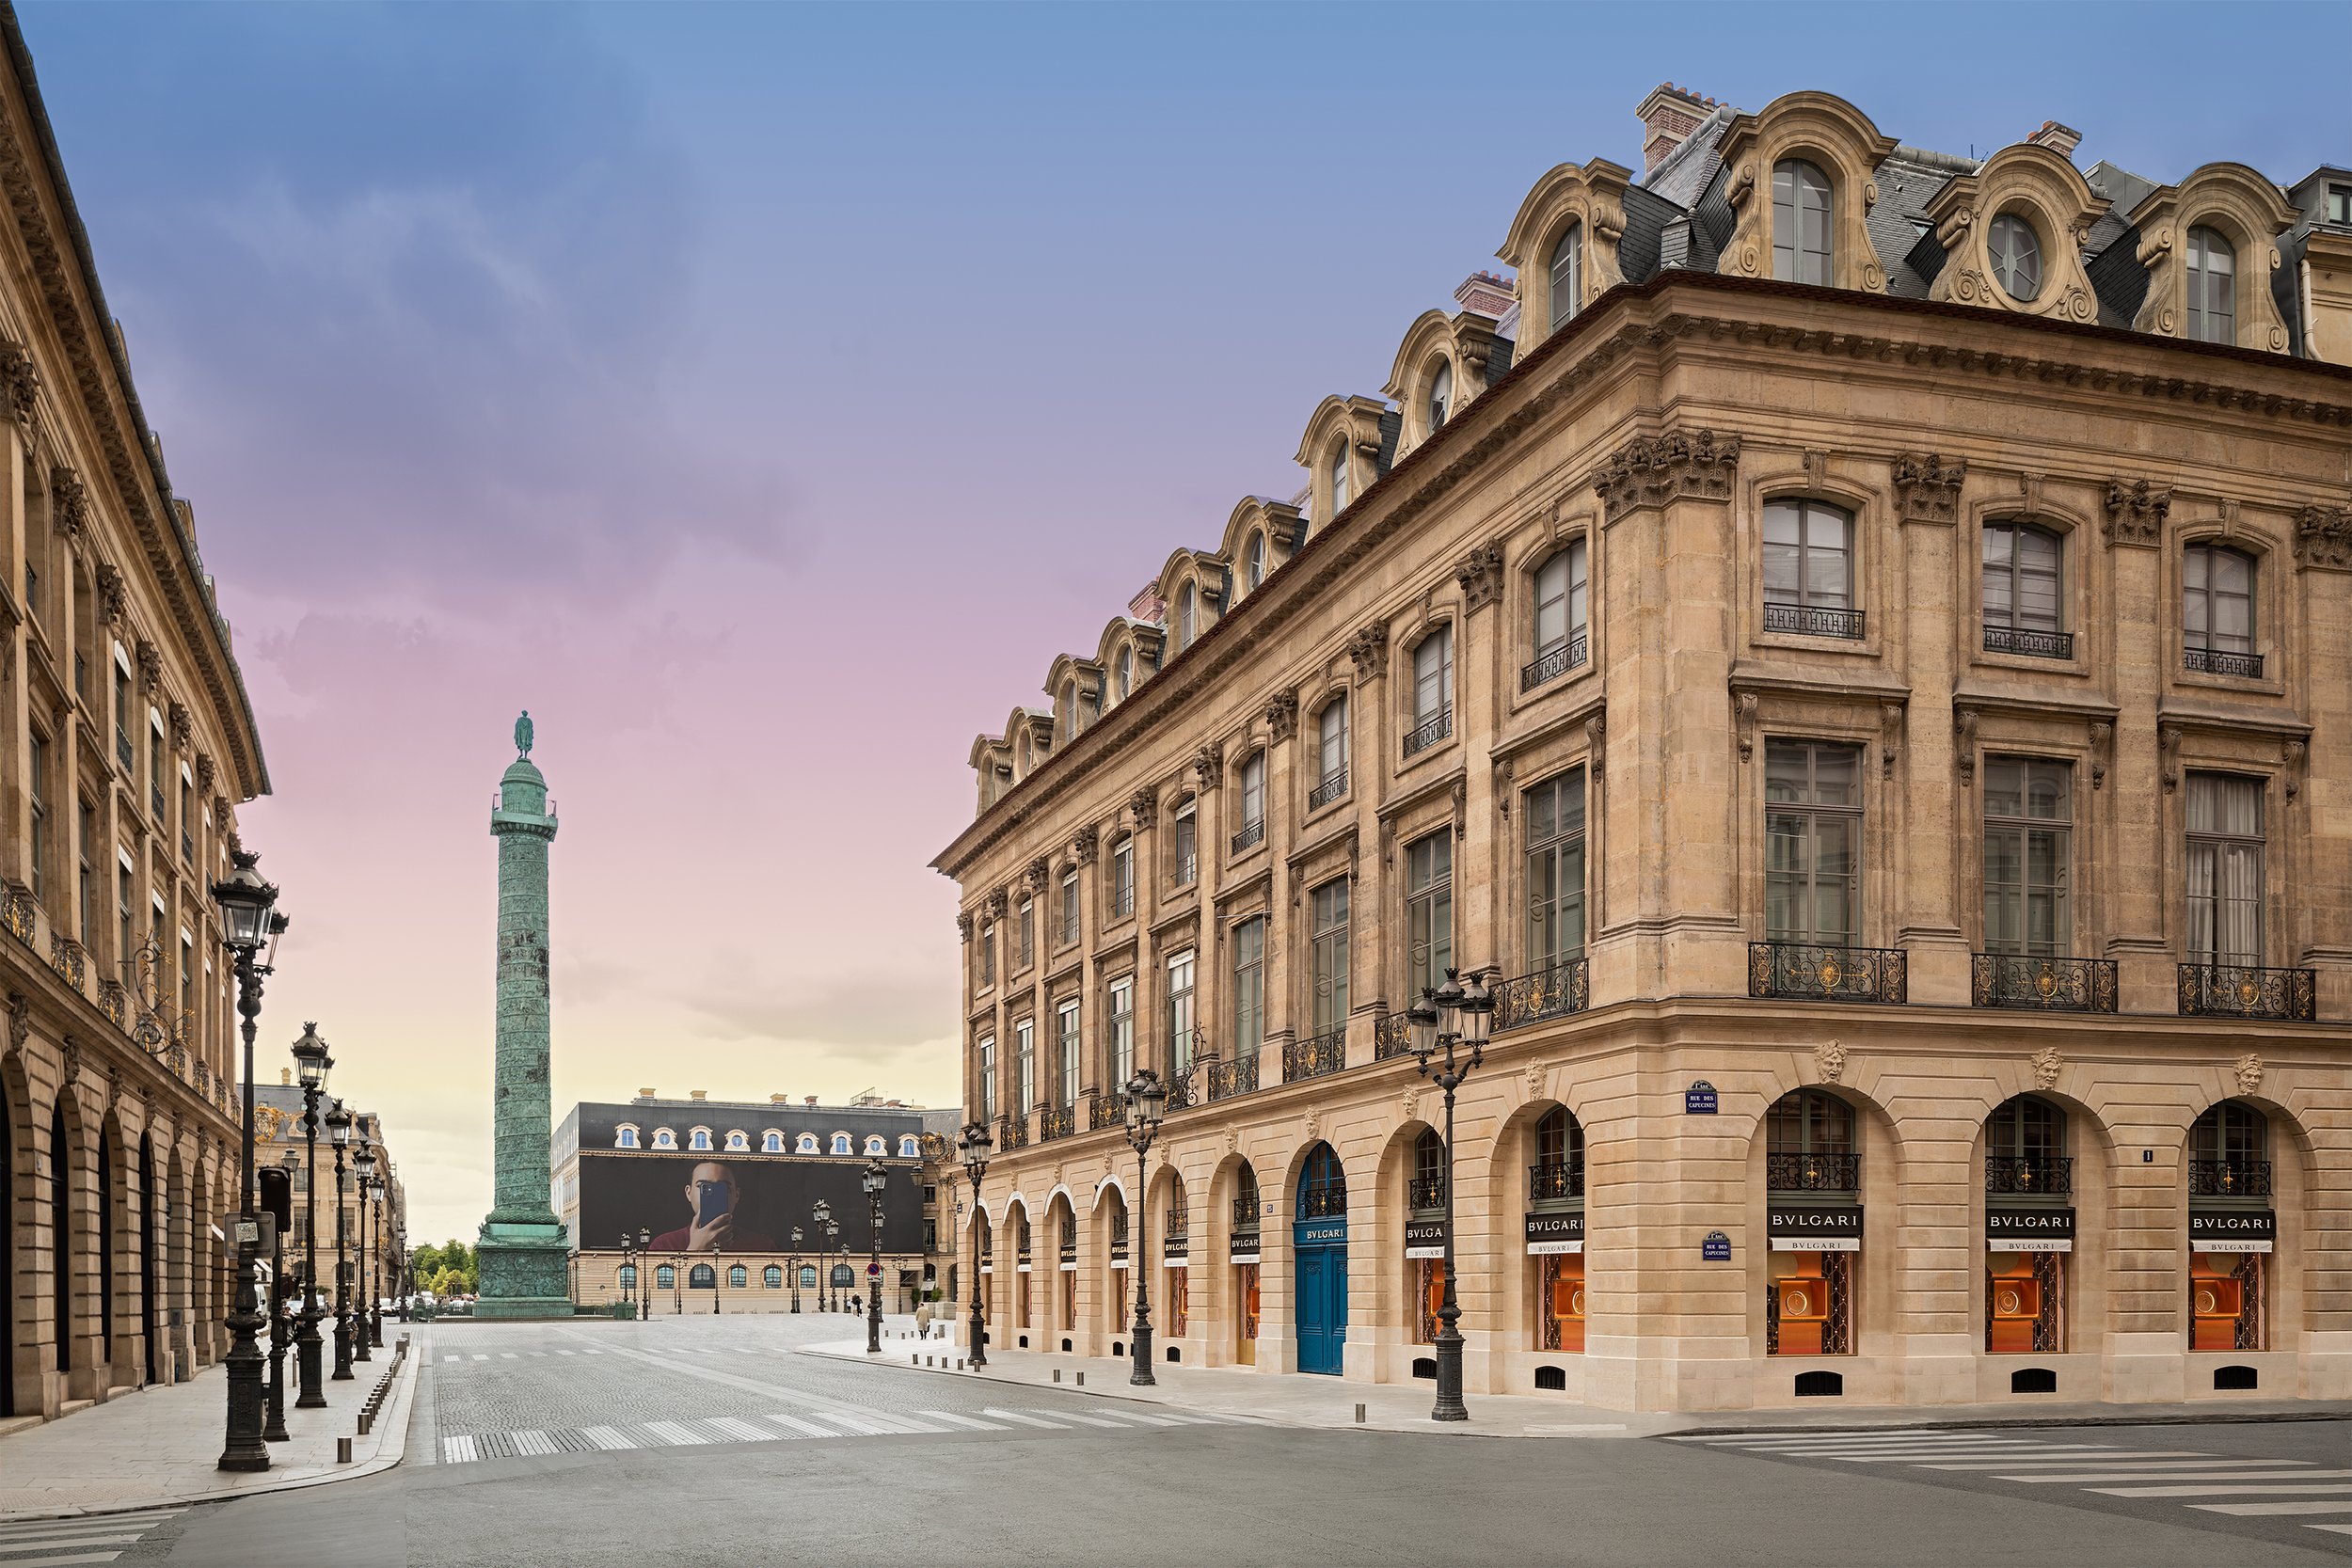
1716,1248
1699,1099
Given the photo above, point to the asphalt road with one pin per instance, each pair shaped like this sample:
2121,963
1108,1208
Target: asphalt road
710,1441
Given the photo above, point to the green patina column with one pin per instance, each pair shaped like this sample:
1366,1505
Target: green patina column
521,1247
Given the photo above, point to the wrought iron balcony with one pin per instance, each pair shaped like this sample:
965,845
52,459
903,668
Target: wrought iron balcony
1429,732
123,754
1813,1173
1313,1058
19,912
2029,1176
1012,1132
1056,1121
1317,1203
1251,836
1177,1227
2219,661
1807,620
1124,902
2048,985
1425,1192
1107,1110
2235,990
1553,665
2229,1178
2033,644
1180,1096
1238,1076
67,958
1803,969
1327,791
1245,1213
1555,1178
1392,1036
1564,988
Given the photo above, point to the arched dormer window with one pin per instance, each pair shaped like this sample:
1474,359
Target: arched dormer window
2016,252
909,1148
876,1147
1339,479
699,1138
1253,562
1126,673
2212,288
841,1143
1440,395
664,1138
1187,612
1568,275
625,1138
1068,709
1801,251
806,1144
772,1142
738,1143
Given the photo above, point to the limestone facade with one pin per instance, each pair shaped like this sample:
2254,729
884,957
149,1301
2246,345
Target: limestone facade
1889,743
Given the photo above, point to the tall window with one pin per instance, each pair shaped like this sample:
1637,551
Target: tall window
1568,275
1801,214
1808,567
187,819
1180,1015
86,927
1433,682
2225,870
988,954
2027,809
1330,957
125,904
1028,933
1813,841
1429,910
1253,562
1126,673
2022,577
122,718
1561,591
1254,799
1023,1067
156,769
38,762
1187,845
1331,751
1248,987
2217,601
1070,906
1066,1061
1555,870
1123,879
1187,604
2015,251
1440,395
1122,1014
1339,479
2212,288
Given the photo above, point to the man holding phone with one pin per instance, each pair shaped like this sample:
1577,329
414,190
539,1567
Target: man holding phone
710,1198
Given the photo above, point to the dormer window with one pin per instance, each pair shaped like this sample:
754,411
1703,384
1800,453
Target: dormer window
1126,673
699,1139
625,1138
908,1148
806,1144
841,1143
772,1142
876,1147
664,1138
1339,479
739,1143
1440,394
1800,213
2016,253
1187,605
1253,562
2212,288
1568,275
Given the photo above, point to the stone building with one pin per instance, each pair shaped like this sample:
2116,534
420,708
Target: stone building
1853,640
126,742
277,1140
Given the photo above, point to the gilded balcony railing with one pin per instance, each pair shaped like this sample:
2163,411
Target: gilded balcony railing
2229,1178
1012,1132
2237,991
1425,1192
2029,1176
1804,969
1555,1178
1107,1110
1313,1058
1179,1092
1564,988
2048,983
67,958
1056,1121
1813,1173
1392,1036
1239,1076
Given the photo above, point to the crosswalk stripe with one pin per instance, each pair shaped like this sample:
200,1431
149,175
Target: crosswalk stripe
798,1427
26,1543
2214,1490
2258,1511
1841,1444
2151,1472
61,1560
896,1423
2065,1456
592,1353
1025,1421
1890,1436
607,1439
563,1353
974,1422
507,1355
458,1450
2338,1529
2217,1475
2010,1456
535,1444
674,1433
44,1532
447,1359
41,1527
739,1428
482,1359
1148,1418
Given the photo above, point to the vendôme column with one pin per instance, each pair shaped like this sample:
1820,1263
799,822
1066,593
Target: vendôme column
521,1248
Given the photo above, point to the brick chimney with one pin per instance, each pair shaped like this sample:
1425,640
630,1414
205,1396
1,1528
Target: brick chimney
779,1099
1668,116
810,1100
698,1094
1484,292
645,1094
2060,139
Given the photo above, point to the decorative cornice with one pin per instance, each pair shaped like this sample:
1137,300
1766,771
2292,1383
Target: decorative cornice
1084,843
1481,575
1926,488
1282,715
1652,470
2323,538
1143,806
1040,873
2136,513
999,901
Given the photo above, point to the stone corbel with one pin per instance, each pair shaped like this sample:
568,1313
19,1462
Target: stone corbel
1595,742
1041,874
2101,753
999,901
2136,513
2169,755
2323,538
1745,706
19,1021
182,724
69,502
1282,715
2295,755
1926,488
1369,648
1143,806
20,383
1964,744
1481,575
1083,844
151,663
1652,470
1503,771
963,924
1208,766
1890,737
110,592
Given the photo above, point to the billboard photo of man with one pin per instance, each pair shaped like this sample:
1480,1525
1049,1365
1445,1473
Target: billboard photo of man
712,1199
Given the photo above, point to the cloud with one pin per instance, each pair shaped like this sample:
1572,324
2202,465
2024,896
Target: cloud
873,1018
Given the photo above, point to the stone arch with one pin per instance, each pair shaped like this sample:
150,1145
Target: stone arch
2296,1197
1837,138
73,1273
20,1374
1878,1271
178,1251
1060,1245
1428,345
1591,198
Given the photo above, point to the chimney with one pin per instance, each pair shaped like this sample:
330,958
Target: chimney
779,1099
1485,293
2060,139
285,1077
698,1094
645,1094
1668,116
810,1100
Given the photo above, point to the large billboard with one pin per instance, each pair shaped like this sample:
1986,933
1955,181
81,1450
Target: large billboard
740,1203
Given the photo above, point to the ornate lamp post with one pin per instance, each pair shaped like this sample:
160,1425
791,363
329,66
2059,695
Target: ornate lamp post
876,1178
339,1133
376,1289
311,1063
362,1182
275,1431
796,1268
248,918
1452,1018
1146,1101
973,1146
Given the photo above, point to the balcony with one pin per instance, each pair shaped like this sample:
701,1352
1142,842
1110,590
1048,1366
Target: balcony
123,754
1056,1121
2042,985
1426,1194
2029,644
1327,791
67,958
1239,1076
1429,732
1245,1213
1180,1091
1553,665
2029,1176
1555,1179
1251,836
1564,988
1392,1036
2234,990
1107,1110
1124,902
1313,1058
2229,1178
1813,1173
1804,971
1322,1202
1806,620
2217,662
1012,1133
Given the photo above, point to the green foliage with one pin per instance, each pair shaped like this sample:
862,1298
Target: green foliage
453,1261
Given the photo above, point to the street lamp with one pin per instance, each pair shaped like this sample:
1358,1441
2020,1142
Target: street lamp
248,918
875,1181
821,1214
363,1183
1459,1015
376,1285
974,1146
275,1431
311,1063
796,1268
1147,1100
339,1133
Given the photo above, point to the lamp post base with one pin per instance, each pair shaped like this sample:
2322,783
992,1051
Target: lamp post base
1141,1377
1450,1406
309,1367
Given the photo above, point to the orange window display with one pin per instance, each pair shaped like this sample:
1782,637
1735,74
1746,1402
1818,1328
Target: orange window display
1245,1288
2226,1291
1177,1294
2023,1297
1809,1309
1429,1290
1070,1298
1021,1290
1560,1303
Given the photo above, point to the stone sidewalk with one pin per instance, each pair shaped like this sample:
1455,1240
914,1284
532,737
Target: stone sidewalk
1328,1401
162,1444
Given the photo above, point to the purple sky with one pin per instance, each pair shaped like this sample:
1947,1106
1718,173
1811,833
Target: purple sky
764,396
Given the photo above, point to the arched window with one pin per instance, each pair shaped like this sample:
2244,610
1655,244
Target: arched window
700,1138
876,1147
808,1276
1339,479
2212,288
1252,801
1253,562
1321,1184
1330,752
1808,569
841,1143
1246,1201
663,1138
1425,1194
703,1277
771,1278
1186,603
738,1143
2024,1149
1557,1172
1809,1144
2229,1153
625,1138
908,1148
1568,275
738,1276
2218,609
1561,591
2230,1229
628,1277
2015,250
1126,673
772,1142
806,1144
1433,683
1801,224
665,1278
1440,395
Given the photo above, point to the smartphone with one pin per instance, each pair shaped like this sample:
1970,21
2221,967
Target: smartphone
711,1201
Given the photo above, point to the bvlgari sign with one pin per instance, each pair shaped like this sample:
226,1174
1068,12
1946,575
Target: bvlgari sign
1425,1238
1822,1229
1549,1235
2029,1230
1242,1247
2232,1230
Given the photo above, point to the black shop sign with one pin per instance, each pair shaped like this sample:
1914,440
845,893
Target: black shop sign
1550,1234
1819,1228
2029,1230
1425,1238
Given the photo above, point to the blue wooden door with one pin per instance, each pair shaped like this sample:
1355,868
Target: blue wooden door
1321,1251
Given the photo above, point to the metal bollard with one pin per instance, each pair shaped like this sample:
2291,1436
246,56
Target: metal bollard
959,1363
367,1422
1359,1415
342,1451
1082,1380
1058,1374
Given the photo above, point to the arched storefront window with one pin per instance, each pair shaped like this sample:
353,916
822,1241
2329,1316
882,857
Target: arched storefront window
1243,1251
1555,1229
1424,1234
2232,1228
771,1278
704,1277
1813,1176
2029,1226
666,1277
